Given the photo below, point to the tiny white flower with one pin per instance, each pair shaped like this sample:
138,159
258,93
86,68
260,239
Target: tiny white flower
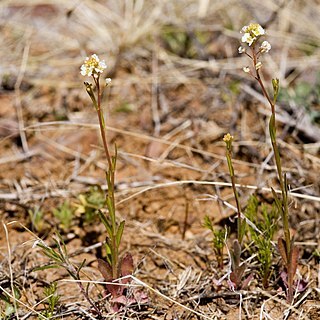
246,69
108,81
92,66
258,65
246,38
243,30
241,50
258,30
265,47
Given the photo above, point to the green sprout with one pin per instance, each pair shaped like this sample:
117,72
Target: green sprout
266,220
218,240
9,302
64,214
52,300
36,217
90,203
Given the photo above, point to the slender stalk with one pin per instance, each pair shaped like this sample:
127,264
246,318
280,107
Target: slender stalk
281,178
228,140
101,123
111,178
236,196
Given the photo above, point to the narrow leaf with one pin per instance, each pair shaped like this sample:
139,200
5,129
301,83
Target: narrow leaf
51,266
277,200
236,253
243,225
108,251
114,158
240,271
246,282
105,222
272,128
276,87
81,266
234,279
120,232
294,257
283,251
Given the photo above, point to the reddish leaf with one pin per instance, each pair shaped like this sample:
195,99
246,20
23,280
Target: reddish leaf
126,266
294,257
246,282
292,268
237,274
236,252
106,272
233,278
283,251
105,269
240,271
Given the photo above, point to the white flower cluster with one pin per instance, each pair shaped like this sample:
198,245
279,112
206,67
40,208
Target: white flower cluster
251,33
93,66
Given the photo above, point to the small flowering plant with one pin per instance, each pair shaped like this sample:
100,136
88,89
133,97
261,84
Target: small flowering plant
113,267
289,253
237,269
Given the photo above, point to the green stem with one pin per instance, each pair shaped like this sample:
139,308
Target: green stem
101,123
235,192
111,181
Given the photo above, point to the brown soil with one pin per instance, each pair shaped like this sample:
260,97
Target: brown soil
167,117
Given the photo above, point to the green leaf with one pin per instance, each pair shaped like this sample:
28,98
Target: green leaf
272,128
207,223
51,266
120,232
62,248
81,266
50,253
243,225
110,206
277,200
105,222
276,87
4,297
108,251
114,158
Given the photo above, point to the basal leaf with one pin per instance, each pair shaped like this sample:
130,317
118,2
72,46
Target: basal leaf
105,269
